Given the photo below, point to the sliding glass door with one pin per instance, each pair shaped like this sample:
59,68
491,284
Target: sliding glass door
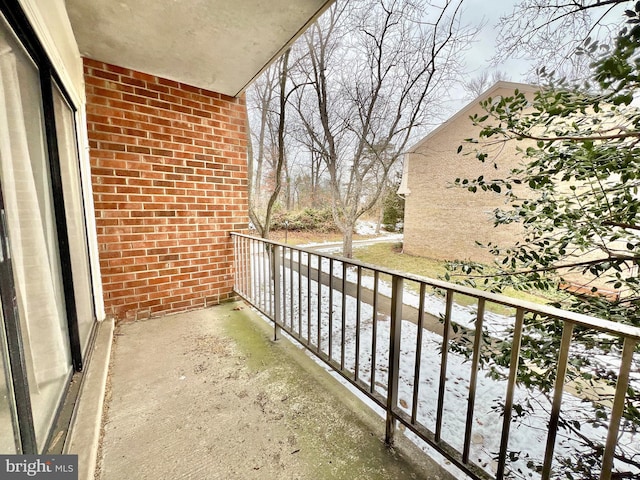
75,215
47,304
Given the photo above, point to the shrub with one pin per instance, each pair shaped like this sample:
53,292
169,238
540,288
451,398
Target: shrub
309,219
393,213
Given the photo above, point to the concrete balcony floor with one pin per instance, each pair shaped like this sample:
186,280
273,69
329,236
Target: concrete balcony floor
208,395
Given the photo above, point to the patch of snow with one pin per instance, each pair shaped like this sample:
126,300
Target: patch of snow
364,227
326,323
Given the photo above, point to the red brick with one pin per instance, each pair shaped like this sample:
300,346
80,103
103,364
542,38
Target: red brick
158,150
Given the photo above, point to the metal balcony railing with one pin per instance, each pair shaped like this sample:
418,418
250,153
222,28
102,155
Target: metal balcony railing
451,365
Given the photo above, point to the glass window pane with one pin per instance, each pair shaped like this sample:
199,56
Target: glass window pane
25,180
74,209
8,432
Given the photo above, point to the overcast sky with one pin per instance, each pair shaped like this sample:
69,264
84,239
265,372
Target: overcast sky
477,58
480,53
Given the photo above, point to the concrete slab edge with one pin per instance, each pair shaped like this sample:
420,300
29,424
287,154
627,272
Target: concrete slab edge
84,434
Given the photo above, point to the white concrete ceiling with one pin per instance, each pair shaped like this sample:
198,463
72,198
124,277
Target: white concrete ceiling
220,45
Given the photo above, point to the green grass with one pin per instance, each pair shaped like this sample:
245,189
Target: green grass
390,256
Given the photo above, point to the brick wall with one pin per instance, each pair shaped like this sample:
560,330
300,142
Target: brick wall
169,172
443,222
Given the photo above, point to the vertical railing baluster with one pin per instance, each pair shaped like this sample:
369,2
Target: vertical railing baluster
374,332
416,372
561,371
309,299
265,278
291,289
248,270
236,263
256,265
358,310
251,269
283,292
473,380
261,279
268,269
234,240
331,309
277,289
246,259
511,387
343,335
617,410
239,264
258,256
443,365
300,293
260,284
395,334
319,305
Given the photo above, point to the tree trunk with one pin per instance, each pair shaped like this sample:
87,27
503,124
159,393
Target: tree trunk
347,242
281,147
380,217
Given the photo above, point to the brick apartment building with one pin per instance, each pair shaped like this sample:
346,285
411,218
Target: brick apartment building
444,222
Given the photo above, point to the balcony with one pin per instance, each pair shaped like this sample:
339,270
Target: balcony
234,396
207,394
412,347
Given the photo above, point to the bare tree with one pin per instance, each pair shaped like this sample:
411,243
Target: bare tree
550,31
313,167
374,70
270,97
260,98
477,85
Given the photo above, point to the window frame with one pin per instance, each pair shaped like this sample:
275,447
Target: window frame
18,21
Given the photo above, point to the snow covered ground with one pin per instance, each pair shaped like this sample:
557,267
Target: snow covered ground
306,313
363,228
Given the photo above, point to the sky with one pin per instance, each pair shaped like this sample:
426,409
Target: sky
478,57
488,13
480,53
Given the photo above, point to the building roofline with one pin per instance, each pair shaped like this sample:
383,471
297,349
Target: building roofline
500,85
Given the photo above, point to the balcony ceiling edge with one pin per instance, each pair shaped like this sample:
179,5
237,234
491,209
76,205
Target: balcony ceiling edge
213,44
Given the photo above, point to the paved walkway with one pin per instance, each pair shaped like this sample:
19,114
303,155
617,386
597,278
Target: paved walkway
336,247
208,395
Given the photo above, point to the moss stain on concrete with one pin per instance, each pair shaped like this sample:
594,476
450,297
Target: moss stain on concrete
336,436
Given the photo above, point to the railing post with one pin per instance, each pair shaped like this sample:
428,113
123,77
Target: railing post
248,245
394,356
444,355
511,387
561,373
276,265
234,240
617,409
